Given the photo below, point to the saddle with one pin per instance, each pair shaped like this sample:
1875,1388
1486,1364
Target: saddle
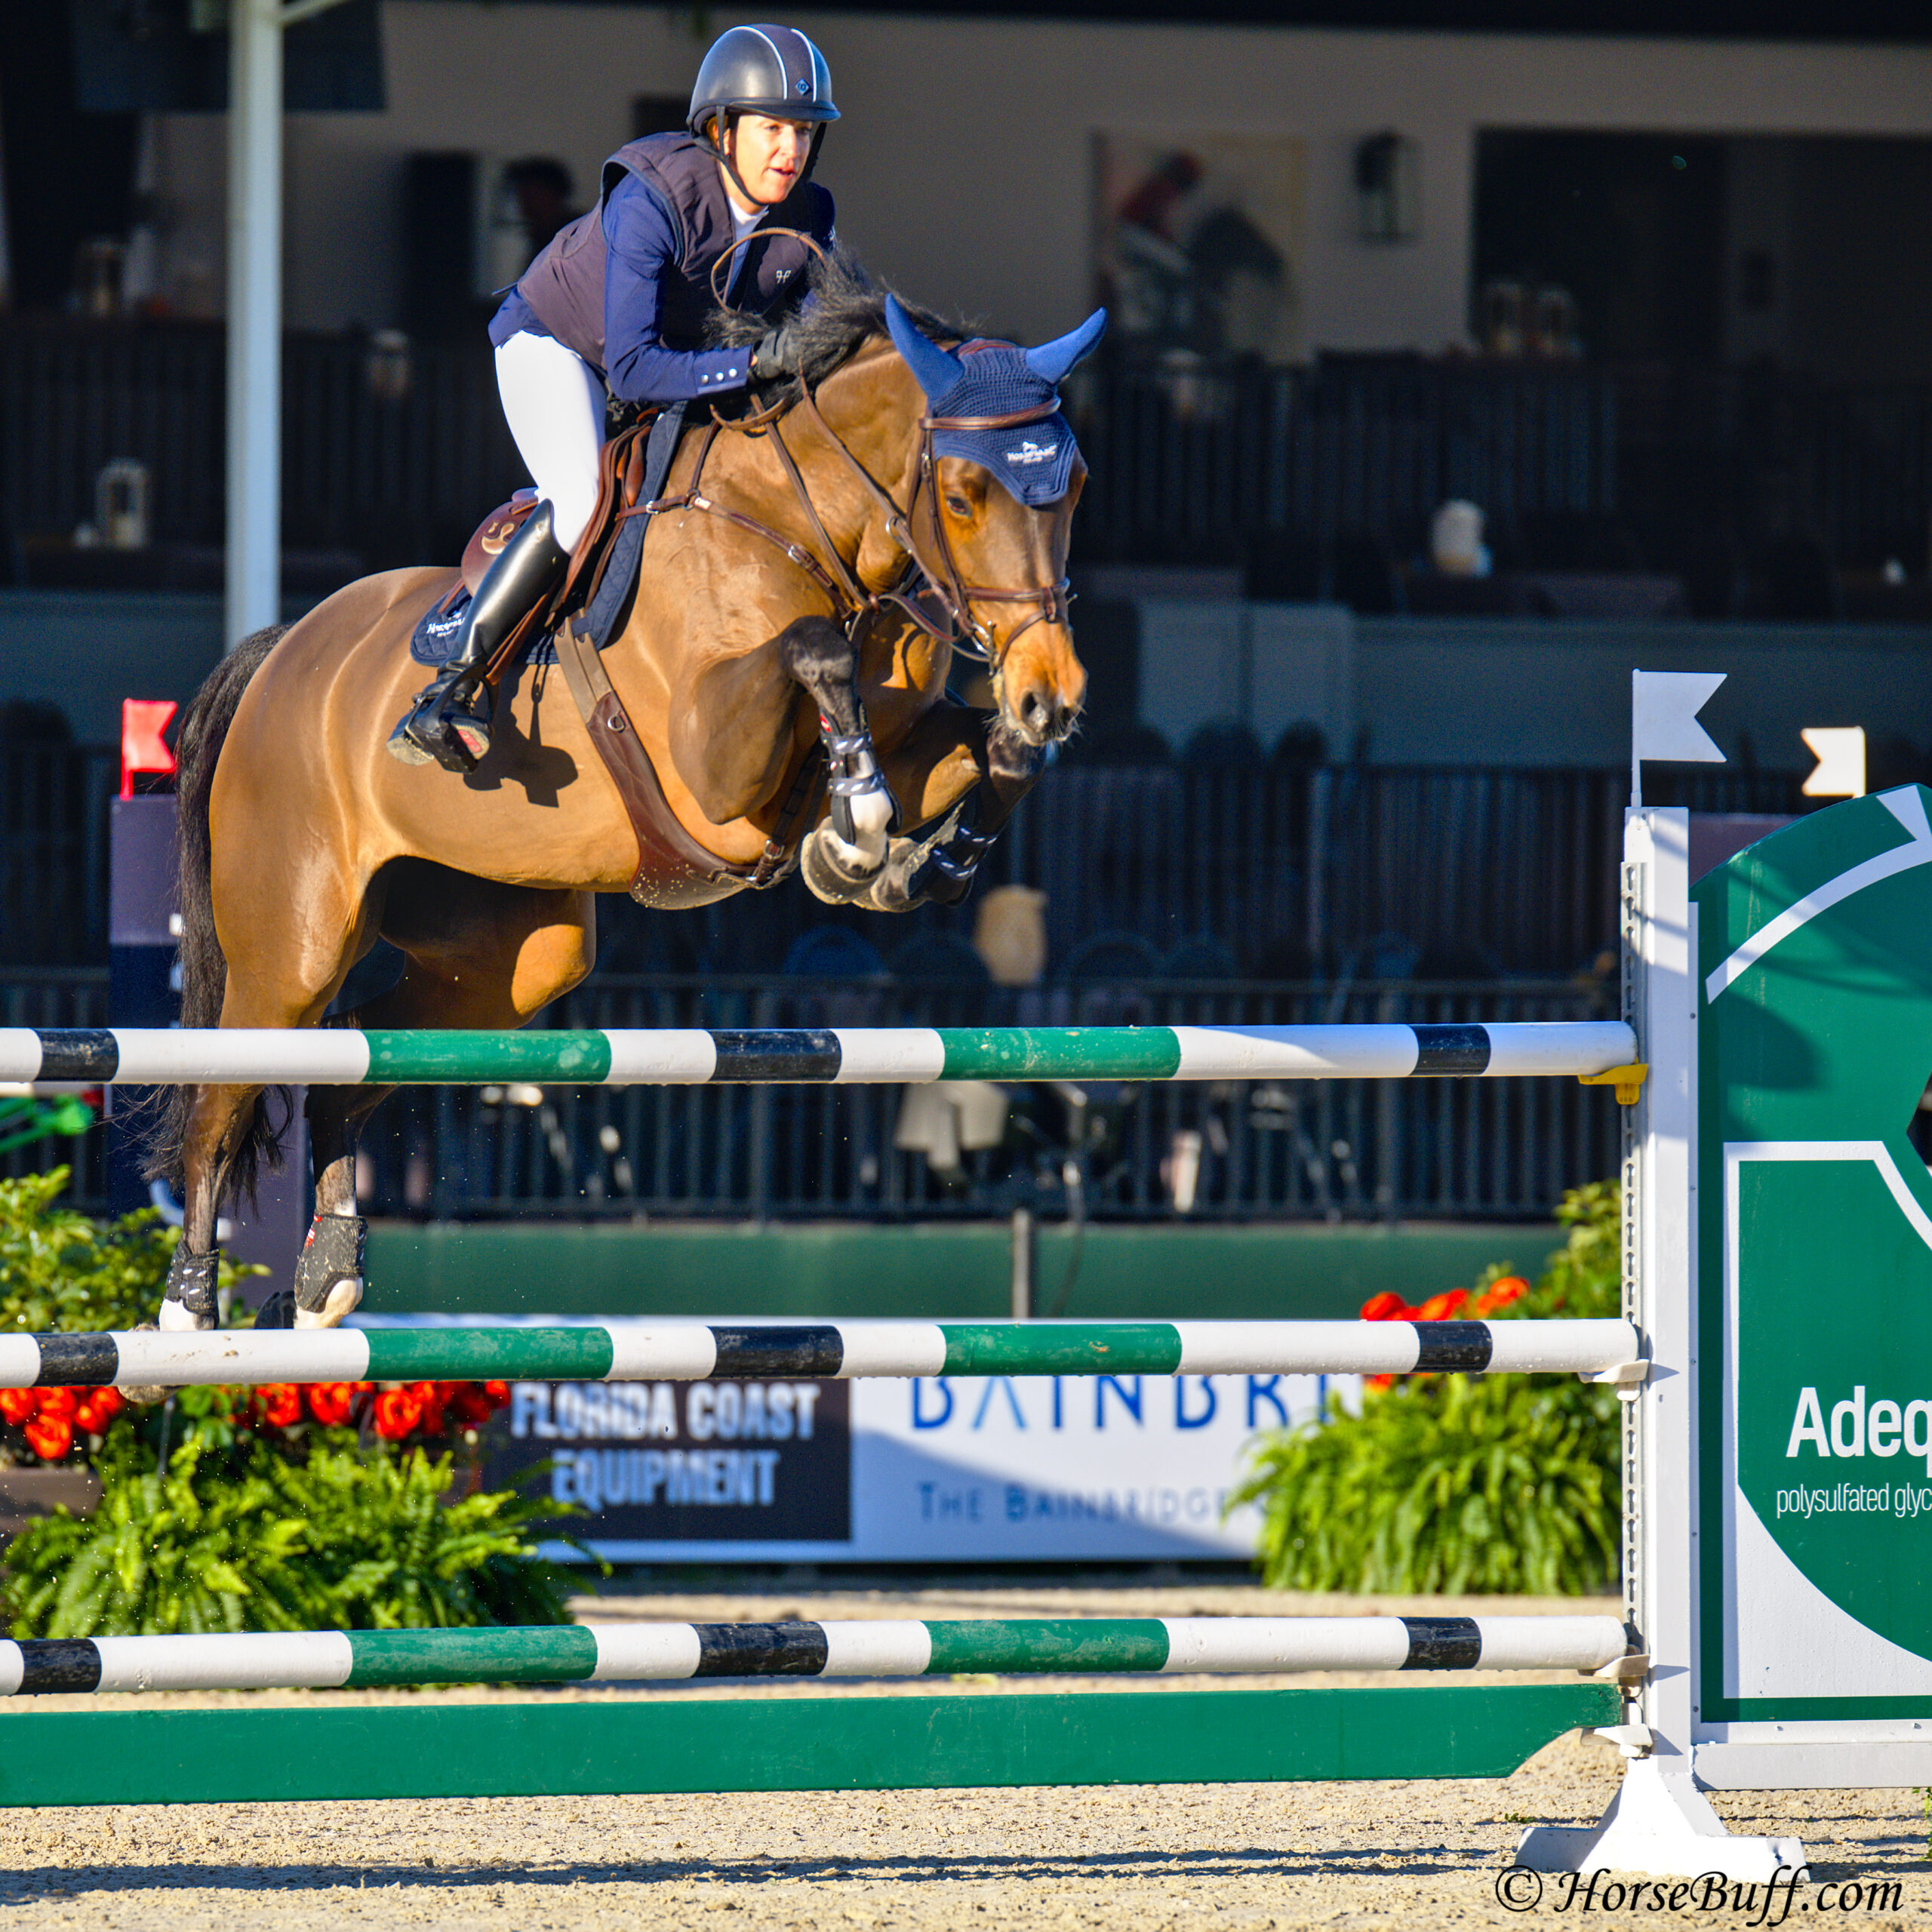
620,482
571,630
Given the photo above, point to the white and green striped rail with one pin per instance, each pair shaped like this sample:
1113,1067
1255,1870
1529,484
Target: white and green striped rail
697,1351
584,1652
340,1056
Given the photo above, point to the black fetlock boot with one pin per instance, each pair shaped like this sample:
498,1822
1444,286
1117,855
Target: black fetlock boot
193,1280
328,1277
450,720
947,876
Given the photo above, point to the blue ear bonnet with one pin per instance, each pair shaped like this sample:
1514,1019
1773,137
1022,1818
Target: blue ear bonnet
1034,461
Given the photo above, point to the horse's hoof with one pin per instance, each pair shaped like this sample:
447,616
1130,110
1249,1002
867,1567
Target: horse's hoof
835,872
343,1299
332,1261
277,1312
174,1319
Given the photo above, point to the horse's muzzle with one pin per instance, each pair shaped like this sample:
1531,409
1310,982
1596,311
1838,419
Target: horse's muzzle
1043,717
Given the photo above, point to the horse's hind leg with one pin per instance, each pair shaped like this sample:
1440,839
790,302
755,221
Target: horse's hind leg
329,1271
478,954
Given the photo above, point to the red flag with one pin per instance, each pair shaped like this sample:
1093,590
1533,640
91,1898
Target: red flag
143,720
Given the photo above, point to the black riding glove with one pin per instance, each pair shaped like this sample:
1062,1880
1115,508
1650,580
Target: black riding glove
781,352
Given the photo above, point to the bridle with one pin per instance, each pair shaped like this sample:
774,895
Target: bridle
932,562
959,596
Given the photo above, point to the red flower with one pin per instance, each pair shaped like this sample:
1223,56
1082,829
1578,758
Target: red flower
469,1403
397,1411
330,1403
430,1398
1501,1293
98,1409
1380,1381
279,1404
50,1437
1443,1307
1384,1307
499,1393
16,1405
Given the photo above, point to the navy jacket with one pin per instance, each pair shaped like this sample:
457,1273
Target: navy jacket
628,285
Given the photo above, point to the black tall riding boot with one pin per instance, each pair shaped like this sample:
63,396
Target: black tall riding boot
450,720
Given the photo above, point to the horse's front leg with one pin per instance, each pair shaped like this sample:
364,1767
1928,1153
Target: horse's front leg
956,768
841,858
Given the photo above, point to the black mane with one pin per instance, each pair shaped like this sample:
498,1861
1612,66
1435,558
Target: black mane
841,307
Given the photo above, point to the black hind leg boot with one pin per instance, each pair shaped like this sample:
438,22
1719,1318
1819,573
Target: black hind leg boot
450,720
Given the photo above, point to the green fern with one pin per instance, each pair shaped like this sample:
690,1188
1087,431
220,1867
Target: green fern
61,1270
246,1540
1503,1483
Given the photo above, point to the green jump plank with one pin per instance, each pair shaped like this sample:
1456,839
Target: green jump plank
420,1057
997,1644
563,1654
1060,1052
1007,1348
426,1749
485,1355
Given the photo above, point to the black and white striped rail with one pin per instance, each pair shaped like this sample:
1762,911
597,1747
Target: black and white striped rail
355,1659
336,1056
697,1351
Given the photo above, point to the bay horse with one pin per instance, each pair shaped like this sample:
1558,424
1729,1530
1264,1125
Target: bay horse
800,592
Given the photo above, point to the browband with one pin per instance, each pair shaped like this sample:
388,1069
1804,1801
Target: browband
970,425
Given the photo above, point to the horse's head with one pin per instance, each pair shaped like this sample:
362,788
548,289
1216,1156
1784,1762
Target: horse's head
999,475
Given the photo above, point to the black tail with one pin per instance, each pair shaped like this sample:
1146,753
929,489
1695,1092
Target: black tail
204,968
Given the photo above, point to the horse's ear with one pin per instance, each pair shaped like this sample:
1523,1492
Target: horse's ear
1052,360
937,369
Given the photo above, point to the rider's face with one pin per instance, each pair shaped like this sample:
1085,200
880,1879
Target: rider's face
768,155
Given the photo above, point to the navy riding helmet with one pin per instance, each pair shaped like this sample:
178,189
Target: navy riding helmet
768,70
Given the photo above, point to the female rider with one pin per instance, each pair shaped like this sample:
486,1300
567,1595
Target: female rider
617,300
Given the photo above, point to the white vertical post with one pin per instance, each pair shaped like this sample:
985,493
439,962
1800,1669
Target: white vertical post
1657,849
254,318
1660,1822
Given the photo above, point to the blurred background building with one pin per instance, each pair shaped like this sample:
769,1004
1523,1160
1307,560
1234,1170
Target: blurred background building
1458,365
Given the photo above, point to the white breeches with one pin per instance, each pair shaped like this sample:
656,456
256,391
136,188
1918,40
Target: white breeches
554,402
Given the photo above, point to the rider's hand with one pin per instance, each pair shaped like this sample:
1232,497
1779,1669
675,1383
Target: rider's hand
778,353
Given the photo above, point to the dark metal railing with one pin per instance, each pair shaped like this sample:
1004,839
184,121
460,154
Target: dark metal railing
54,801
1197,460
1275,871
393,451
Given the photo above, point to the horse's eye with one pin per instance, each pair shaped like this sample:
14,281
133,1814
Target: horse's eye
959,506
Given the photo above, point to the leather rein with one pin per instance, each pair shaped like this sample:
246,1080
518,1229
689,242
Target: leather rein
936,566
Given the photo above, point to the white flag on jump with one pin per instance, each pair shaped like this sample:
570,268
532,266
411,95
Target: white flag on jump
1664,706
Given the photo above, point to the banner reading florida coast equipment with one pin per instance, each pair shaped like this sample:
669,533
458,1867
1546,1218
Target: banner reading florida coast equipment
942,1469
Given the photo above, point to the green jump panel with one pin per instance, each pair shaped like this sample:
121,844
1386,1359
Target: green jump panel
652,1744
